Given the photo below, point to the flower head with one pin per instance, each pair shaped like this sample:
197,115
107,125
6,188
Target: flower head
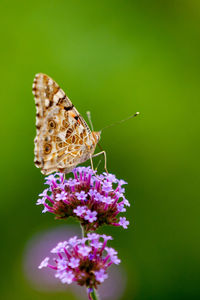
84,261
94,200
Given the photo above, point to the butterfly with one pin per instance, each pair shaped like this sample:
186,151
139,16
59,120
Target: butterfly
63,138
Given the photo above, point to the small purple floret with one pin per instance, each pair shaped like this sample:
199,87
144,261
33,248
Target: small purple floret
80,210
100,275
81,196
61,196
84,250
67,277
44,263
91,216
123,222
74,262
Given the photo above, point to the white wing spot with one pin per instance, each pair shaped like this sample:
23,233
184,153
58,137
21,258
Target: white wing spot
58,95
46,102
61,135
50,82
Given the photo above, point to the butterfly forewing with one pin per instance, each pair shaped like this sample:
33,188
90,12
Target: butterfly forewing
63,137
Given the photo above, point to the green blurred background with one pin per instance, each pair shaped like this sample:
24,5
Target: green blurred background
113,58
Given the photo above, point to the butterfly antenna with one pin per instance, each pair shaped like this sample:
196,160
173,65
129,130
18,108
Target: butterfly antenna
90,119
122,121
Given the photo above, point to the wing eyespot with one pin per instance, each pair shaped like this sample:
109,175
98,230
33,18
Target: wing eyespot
47,148
51,124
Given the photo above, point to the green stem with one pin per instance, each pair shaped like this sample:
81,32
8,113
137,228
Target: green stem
83,231
93,295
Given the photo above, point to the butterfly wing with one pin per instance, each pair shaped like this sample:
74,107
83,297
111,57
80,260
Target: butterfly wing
63,137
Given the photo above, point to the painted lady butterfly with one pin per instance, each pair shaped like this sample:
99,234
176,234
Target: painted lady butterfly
63,138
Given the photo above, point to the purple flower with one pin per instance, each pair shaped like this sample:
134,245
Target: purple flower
62,264
123,222
45,209
50,179
81,196
83,260
107,186
121,207
59,248
122,182
90,216
72,182
93,236
126,202
41,201
107,200
96,244
95,200
115,260
61,196
100,275
44,263
98,197
80,210
73,241
110,177
74,262
44,193
111,251
106,237
84,250
92,192
67,277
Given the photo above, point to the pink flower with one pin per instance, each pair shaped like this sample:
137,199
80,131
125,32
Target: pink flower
93,200
84,261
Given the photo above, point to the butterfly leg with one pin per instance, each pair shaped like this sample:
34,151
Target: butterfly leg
92,165
105,159
91,161
63,178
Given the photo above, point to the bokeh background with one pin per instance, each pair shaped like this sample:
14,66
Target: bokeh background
113,58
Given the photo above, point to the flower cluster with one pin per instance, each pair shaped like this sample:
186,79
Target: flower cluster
93,199
84,261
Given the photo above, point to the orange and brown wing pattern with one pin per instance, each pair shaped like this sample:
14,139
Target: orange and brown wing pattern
63,137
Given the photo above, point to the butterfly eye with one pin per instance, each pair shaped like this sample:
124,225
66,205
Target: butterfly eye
47,148
52,124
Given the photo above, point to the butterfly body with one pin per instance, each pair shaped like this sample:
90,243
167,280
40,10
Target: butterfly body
63,138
